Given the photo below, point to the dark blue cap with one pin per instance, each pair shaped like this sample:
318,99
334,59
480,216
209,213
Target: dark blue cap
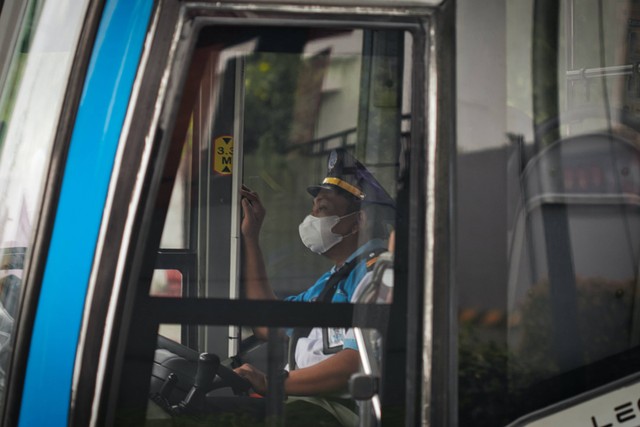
346,173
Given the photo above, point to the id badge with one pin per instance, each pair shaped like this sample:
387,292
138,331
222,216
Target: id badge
332,340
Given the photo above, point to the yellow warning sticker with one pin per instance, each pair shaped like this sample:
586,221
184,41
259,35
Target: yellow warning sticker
223,155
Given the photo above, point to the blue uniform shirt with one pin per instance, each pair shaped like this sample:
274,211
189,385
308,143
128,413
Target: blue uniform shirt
344,291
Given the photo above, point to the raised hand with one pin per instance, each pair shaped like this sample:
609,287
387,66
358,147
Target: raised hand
253,213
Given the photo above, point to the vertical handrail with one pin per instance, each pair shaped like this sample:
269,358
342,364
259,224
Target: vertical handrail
236,209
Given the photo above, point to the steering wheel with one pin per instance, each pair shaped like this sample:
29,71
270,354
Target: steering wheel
229,378
209,375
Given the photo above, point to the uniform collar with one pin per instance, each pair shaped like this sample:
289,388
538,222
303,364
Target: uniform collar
369,246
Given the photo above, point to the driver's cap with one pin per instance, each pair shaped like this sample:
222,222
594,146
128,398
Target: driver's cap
346,173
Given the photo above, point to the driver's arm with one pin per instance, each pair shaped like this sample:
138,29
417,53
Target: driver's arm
330,375
254,272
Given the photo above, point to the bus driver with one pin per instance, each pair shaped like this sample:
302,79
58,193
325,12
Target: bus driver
346,225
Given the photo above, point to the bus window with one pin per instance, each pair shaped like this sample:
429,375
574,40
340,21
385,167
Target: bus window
29,111
549,214
176,235
280,189
289,127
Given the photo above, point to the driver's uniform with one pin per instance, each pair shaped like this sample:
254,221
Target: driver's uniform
311,350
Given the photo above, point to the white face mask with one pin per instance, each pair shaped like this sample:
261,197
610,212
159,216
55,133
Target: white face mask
316,234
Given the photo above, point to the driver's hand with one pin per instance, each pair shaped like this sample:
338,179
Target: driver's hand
253,213
256,377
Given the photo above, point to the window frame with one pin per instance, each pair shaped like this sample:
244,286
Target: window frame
114,289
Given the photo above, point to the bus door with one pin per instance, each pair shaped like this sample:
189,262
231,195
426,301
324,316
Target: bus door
270,102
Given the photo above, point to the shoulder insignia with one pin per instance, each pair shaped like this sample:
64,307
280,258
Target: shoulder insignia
371,262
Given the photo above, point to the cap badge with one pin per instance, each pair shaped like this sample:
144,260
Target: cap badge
333,159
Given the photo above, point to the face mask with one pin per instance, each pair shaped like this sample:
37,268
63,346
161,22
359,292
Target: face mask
316,234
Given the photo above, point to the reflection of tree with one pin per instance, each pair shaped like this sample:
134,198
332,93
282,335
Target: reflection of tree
277,172
18,63
270,82
499,383
309,97
604,315
490,394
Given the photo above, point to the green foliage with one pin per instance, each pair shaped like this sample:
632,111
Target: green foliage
277,172
491,386
497,379
270,83
604,315
16,69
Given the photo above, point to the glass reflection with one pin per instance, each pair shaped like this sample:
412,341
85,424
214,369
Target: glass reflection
30,103
548,204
